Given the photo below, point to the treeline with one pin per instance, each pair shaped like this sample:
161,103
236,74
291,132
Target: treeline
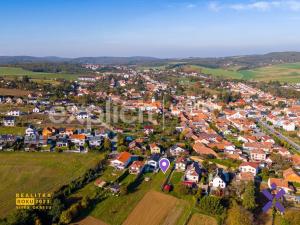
44,67
276,89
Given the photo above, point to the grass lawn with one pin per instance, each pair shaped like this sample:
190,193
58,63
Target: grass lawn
14,71
12,130
114,210
226,162
24,172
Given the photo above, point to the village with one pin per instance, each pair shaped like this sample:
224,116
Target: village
214,145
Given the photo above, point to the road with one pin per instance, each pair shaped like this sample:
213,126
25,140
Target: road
279,135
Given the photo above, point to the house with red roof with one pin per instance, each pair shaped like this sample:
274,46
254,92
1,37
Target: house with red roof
136,167
296,161
281,184
154,148
192,174
181,163
249,167
203,150
291,176
266,146
284,152
122,161
258,155
78,139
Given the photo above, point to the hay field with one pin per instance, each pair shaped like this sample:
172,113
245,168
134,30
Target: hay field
31,172
156,208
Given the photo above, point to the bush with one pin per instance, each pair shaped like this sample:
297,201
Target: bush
211,205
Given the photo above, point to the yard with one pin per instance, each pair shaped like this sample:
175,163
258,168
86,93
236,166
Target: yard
115,209
200,219
38,172
12,130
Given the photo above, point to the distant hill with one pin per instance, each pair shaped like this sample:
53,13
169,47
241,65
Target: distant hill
237,62
8,60
246,61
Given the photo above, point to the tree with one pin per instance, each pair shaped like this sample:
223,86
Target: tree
56,209
211,205
237,215
107,144
121,140
121,148
249,196
205,164
21,217
85,201
65,217
265,173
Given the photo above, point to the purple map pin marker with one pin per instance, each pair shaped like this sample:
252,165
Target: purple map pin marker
164,164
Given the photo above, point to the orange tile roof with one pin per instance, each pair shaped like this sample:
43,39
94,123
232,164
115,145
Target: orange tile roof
296,159
137,164
78,136
124,156
252,164
291,176
279,182
202,149
258,151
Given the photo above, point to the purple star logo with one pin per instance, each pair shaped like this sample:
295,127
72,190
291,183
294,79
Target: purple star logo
271,197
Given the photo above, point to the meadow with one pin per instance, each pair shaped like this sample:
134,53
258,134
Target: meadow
288,72
31,172
19,72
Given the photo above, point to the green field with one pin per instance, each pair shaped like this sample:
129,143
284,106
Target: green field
12,130
24,172
114,210
288,72
13,71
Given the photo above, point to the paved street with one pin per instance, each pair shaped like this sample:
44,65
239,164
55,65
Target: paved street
279,135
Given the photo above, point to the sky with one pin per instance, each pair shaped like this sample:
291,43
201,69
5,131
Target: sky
158,28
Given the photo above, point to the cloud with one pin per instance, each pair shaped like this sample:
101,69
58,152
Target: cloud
291,5
191,6
256,5
214,6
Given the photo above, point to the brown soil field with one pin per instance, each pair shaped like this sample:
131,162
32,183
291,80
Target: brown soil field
89,221
156,208
13,92
200,219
